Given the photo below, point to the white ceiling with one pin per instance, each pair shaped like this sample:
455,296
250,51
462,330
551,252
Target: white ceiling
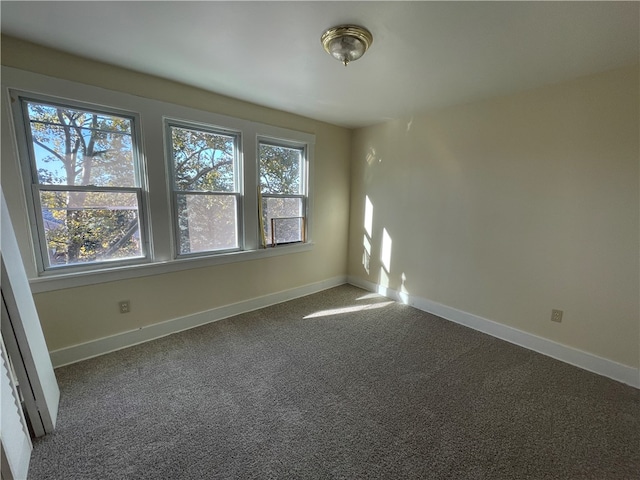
424,54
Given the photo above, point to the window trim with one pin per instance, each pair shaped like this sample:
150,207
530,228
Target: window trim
32,185
304,182
151,113
124,272
168,124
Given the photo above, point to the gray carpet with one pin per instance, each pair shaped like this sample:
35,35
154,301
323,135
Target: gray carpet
378,390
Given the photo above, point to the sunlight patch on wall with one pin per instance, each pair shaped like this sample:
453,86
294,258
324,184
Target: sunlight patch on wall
385,259
372,156
383,280
368,215
385,255
403,293
368,229
366,254
409,123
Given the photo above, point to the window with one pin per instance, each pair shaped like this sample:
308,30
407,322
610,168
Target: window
86,184
206,188
283,189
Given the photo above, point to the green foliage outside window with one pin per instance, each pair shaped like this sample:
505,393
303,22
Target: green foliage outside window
92,151
89,186
204,168
282,187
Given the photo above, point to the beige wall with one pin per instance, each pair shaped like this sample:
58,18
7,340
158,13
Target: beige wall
504,208
511,207
86,313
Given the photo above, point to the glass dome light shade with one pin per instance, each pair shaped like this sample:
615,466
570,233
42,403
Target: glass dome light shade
346,42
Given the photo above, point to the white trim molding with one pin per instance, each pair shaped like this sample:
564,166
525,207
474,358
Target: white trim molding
573,356
150,119
101,346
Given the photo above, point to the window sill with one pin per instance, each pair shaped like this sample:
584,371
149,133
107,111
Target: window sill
78,279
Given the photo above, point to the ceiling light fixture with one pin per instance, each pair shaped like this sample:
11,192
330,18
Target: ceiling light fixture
346,42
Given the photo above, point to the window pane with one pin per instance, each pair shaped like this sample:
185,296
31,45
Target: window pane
203,161
281,169
280,208
86,227
76,147
207,222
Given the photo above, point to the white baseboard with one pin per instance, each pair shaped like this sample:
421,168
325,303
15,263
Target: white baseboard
587,361
94,348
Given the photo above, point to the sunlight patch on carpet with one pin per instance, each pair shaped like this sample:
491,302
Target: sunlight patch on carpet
355,308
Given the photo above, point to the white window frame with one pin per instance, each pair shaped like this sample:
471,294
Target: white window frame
151,114
304,181
33,187
238,192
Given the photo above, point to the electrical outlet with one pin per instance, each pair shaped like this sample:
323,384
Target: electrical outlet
124,306
556,315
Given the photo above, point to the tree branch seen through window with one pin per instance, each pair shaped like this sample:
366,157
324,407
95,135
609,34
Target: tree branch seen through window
88,193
